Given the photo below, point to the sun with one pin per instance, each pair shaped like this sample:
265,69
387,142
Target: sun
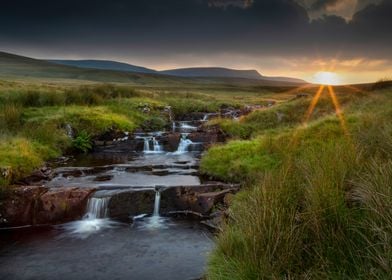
326,78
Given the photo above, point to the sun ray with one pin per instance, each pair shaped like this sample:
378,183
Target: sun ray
313,104
338,109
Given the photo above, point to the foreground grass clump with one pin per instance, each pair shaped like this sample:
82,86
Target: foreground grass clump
34,121
19,156
323,212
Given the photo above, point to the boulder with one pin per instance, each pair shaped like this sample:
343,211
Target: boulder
18,209
172,140
201,199
37,178
61,205
131,203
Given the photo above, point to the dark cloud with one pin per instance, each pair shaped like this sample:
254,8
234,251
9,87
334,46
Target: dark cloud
192,27
322,4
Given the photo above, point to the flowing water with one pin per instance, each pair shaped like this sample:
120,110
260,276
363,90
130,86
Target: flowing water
97,247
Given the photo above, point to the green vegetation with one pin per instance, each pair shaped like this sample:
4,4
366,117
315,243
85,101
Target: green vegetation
317,198
82,142
34,120
35,115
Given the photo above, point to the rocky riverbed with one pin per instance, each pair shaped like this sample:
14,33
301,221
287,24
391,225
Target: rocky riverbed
139,192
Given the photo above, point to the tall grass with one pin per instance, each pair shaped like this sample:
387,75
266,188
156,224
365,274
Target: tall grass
373,192
325,212
11,117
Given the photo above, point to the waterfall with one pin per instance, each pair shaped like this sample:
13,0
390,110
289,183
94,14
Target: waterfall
205,118
69,130
146,144
97,208
157,203
157,147
173,126
184,144
186,126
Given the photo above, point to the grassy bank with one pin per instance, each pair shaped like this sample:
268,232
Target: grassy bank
34,120
317,201
35,116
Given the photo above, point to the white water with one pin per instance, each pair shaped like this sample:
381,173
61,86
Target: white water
69,130
156,147
157,203
186,126
97,208
183,146
146,144
95,219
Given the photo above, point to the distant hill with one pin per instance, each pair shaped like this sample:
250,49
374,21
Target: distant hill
20,67
217,72
104,65
16,66
220,72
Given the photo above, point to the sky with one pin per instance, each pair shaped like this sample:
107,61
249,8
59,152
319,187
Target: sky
295,38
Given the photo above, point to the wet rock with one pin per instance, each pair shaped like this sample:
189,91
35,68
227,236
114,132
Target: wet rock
19,207
103,178
131,203
198,199
201,199
216,220
133,169
163,172
207,135
37,177
172,140
194,116
61,205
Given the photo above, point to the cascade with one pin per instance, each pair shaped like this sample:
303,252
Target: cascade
157,203
184,144
146,144
97,208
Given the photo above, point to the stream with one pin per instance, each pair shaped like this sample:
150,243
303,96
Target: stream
145,246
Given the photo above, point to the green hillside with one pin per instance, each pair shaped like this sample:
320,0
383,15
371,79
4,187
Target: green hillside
19,67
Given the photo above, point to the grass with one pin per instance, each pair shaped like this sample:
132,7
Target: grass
323,211
316,201
39,112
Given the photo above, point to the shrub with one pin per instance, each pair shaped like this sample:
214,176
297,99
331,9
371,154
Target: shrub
82,142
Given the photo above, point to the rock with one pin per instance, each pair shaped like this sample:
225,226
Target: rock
103,178
172,140
201,199
216,220
18,209
207,135
36,178
131,203
61,205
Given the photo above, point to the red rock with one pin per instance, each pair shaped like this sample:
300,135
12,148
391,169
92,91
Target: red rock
19,207
62,204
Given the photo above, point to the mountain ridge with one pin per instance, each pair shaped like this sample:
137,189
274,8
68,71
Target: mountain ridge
17,66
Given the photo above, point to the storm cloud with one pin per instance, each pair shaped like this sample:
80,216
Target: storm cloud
156,29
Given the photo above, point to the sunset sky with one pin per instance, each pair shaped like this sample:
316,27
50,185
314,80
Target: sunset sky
276,37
